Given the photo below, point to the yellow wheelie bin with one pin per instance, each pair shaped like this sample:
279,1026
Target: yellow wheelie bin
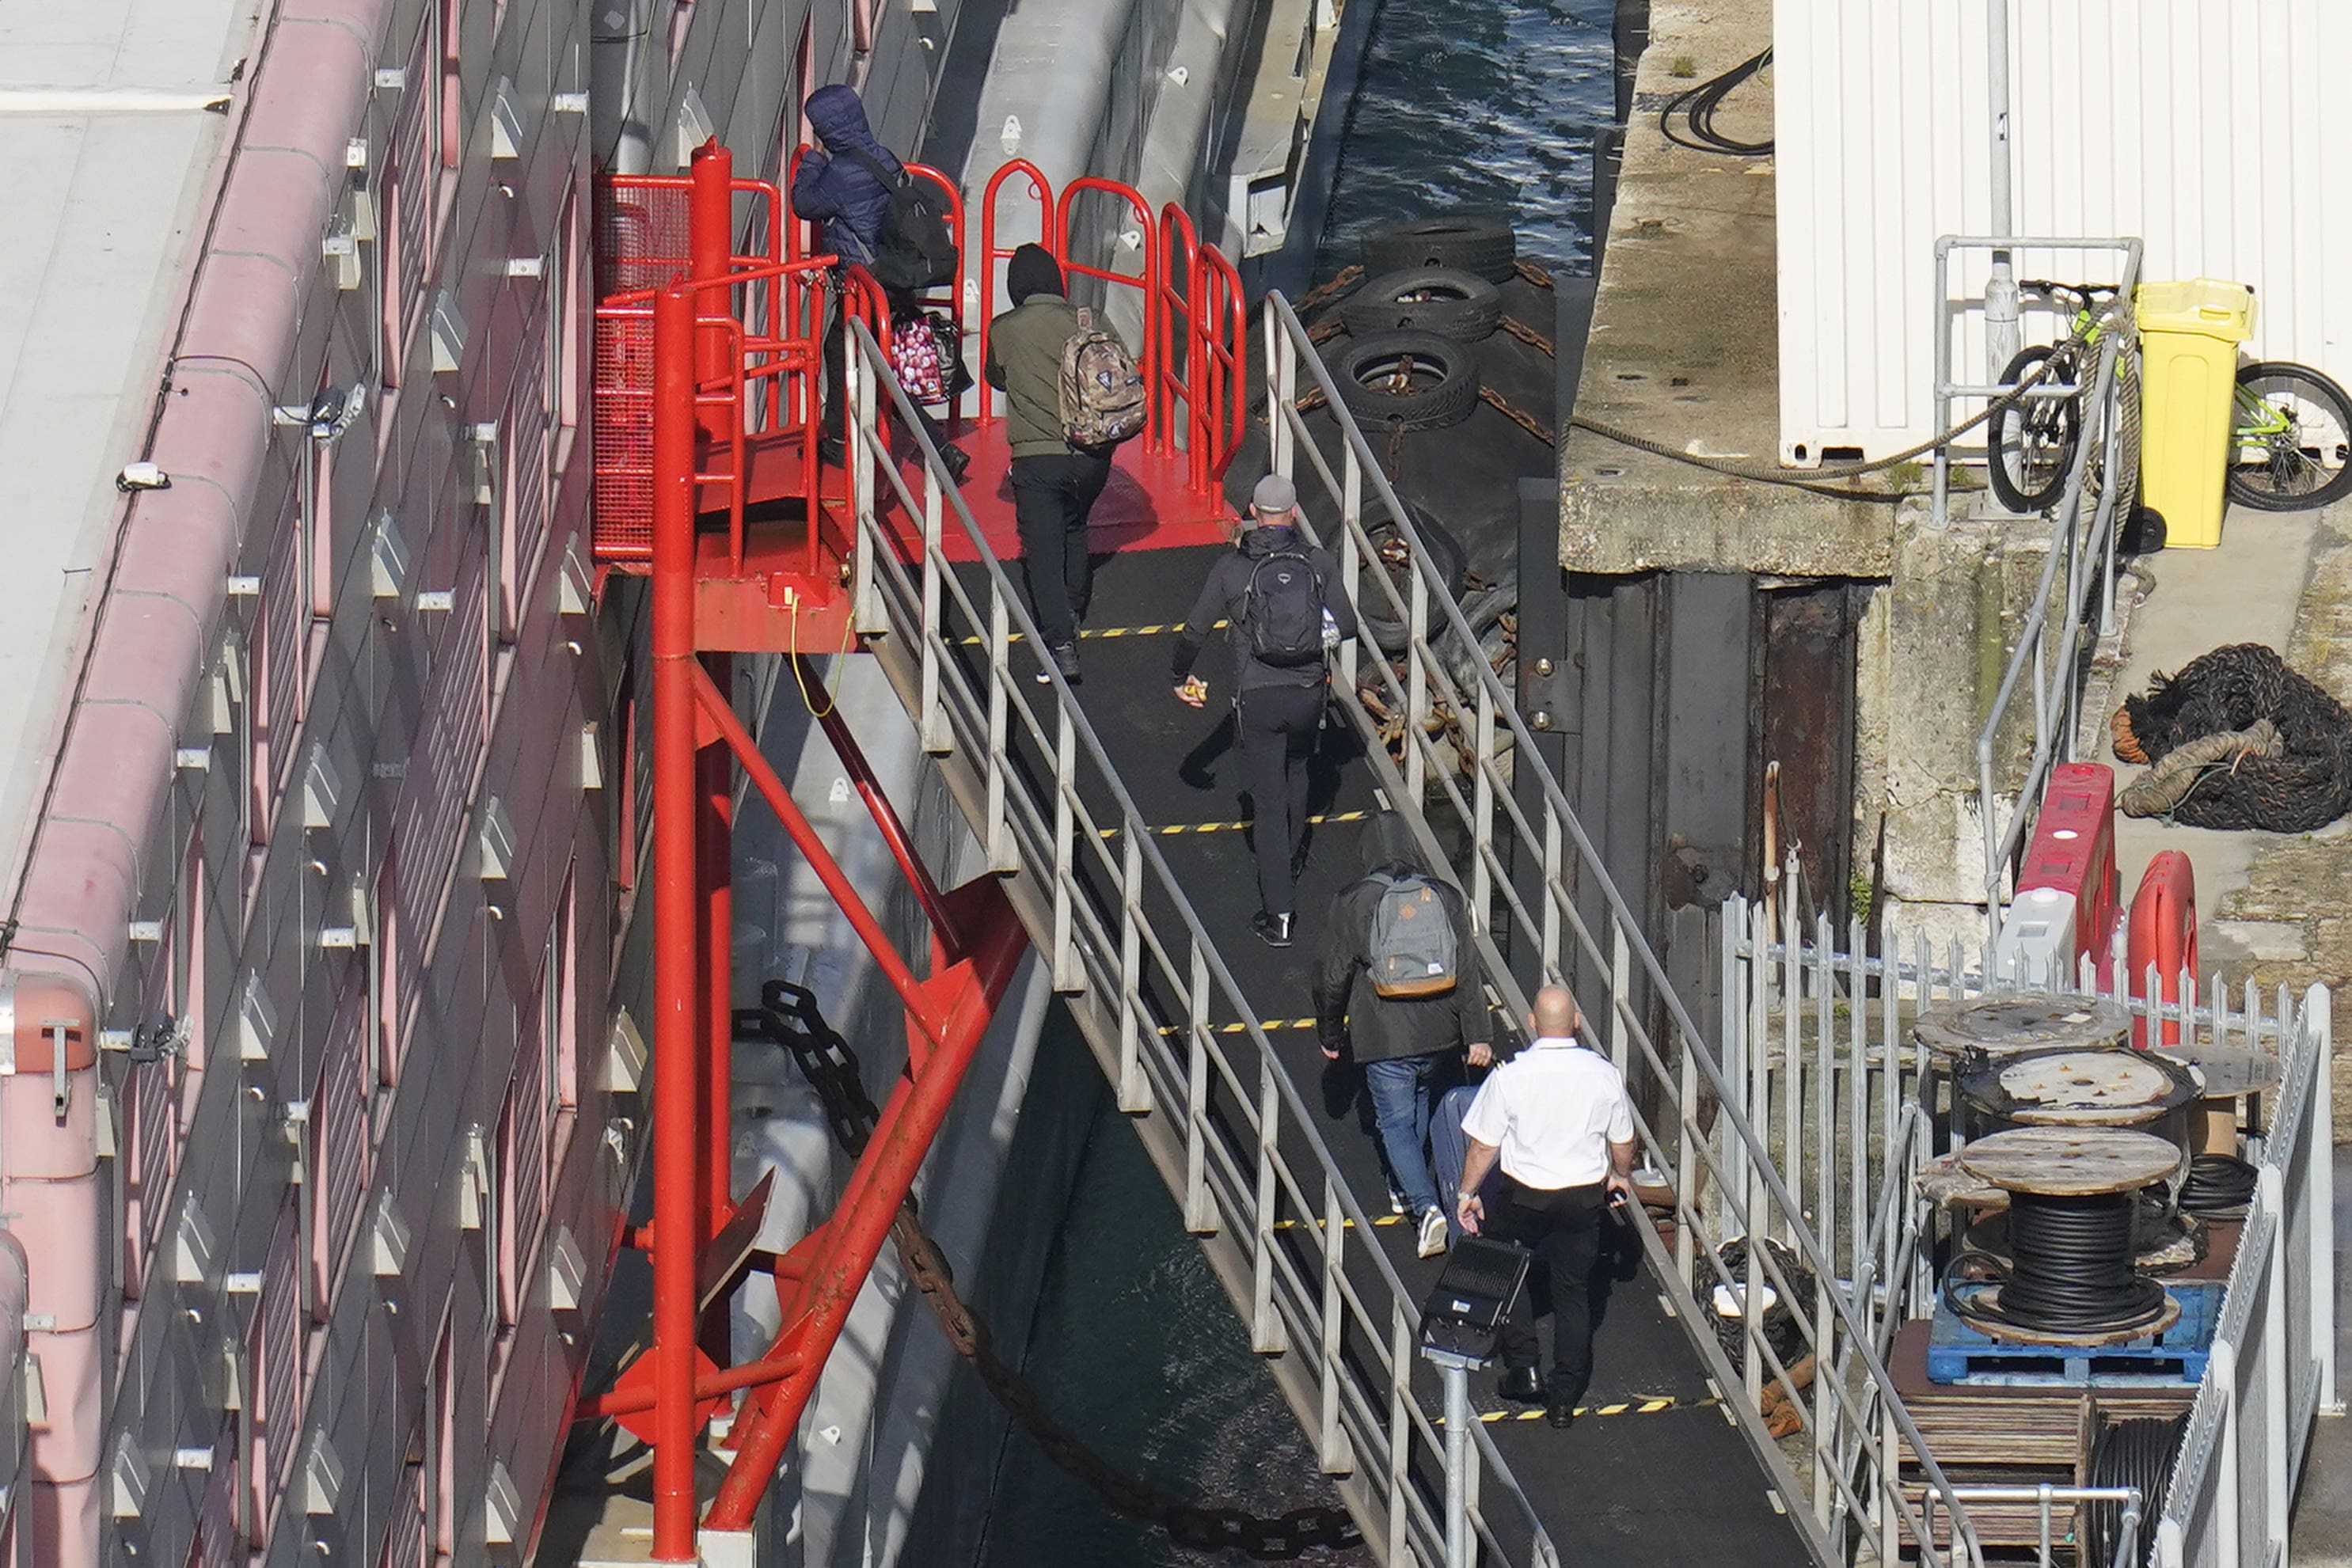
2188,338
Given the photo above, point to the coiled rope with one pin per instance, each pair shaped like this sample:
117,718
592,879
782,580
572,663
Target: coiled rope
2071,1270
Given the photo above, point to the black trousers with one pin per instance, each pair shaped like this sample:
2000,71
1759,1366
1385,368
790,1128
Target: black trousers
1561,1227
1280,727
1052,495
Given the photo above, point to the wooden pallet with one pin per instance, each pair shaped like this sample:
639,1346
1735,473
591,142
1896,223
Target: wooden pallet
1958,1353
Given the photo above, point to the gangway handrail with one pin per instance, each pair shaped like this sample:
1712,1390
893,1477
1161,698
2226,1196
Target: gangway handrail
1287,343
980,728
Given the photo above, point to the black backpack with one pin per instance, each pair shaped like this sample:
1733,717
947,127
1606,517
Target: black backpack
915,249
1282,612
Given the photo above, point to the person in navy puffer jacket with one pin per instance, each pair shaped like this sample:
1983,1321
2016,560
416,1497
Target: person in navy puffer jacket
849,205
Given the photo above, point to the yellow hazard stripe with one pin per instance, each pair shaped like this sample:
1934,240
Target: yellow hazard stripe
1165,630
1621,1408
1243,1028
1173,829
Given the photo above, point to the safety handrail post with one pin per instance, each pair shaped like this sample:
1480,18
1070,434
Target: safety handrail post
1041,191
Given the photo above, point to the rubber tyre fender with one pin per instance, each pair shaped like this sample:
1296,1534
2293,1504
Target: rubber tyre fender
1458,305
1364,363
1445,553
1482,246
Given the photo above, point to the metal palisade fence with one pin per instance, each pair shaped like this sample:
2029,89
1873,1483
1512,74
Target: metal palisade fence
1817,1042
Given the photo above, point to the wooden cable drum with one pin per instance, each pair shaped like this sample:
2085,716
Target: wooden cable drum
2004,1023
2073,1199
2076,1088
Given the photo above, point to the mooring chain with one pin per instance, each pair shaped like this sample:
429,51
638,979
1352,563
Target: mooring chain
788,1016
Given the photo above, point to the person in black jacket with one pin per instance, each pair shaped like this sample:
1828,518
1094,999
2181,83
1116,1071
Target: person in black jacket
834,189
1400,1041
1277,707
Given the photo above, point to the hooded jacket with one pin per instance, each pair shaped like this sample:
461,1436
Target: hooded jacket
1024,354
841,195
1346,1009
1221,598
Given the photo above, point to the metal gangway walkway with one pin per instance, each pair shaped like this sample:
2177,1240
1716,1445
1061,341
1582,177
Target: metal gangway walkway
1073,794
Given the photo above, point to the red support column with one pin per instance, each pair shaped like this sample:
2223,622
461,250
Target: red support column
677,995
711,245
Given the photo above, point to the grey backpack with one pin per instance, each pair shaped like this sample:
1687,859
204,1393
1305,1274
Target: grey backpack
1413,952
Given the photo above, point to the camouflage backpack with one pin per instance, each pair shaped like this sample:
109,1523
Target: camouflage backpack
1102,394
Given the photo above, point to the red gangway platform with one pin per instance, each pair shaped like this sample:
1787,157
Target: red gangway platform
710,481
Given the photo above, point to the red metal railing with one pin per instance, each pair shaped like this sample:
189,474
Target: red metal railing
800,241
1191,355
1200,322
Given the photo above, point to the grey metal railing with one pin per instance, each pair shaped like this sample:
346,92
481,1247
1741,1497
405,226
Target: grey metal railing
1810,1025
1187,1055
1473,791
2047,659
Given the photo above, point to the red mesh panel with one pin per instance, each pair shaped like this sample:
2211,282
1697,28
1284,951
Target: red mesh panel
641,233
623,414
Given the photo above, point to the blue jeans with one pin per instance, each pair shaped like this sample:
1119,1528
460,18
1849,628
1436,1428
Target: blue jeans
1400,1092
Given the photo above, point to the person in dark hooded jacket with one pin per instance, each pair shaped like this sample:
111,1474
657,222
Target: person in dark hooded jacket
1400,1042
1277,708
834,189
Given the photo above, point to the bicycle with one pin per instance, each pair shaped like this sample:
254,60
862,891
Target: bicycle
2030,443
2291,426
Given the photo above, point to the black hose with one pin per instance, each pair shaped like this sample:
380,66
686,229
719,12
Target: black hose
2136,1453
2217,1185
1699,105
2072,1271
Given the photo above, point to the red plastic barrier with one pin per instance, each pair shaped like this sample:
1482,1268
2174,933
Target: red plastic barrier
2163,936
2073,851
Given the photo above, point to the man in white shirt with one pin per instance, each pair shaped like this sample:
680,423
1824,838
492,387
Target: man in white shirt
1556,1117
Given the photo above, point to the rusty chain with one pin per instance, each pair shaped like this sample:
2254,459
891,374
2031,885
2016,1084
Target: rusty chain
787,1018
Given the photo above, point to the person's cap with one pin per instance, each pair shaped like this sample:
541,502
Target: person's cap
1274,494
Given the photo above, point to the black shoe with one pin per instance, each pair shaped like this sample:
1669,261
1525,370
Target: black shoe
1065,659
1559,1417
832,451
1521,1385
1273,928
958,462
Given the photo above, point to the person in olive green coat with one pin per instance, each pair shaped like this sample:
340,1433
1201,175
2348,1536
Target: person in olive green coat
1055,484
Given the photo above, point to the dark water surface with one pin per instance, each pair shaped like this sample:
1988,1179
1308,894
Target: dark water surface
1463,103
1477,103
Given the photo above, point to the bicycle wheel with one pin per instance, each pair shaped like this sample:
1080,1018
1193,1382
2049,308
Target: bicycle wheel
2030,443
2292,439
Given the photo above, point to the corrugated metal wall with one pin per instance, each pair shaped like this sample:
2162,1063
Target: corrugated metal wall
2203,125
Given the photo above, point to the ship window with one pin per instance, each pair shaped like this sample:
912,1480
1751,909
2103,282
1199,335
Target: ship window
339,1144
385,957
568,304
441,1436
453,94
151,1143
405,221
559,996
279,680
274,1353
189,930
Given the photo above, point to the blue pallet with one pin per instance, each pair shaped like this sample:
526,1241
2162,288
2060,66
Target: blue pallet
1958,1355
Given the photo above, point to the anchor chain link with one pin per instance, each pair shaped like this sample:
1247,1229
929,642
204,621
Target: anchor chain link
787,1018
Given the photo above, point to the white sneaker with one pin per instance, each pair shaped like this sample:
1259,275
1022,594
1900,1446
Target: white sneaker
1433,1232
1396,1201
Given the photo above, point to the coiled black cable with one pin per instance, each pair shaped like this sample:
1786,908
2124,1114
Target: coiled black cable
1700,103
2071,1270
2216,1184
2136,1453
